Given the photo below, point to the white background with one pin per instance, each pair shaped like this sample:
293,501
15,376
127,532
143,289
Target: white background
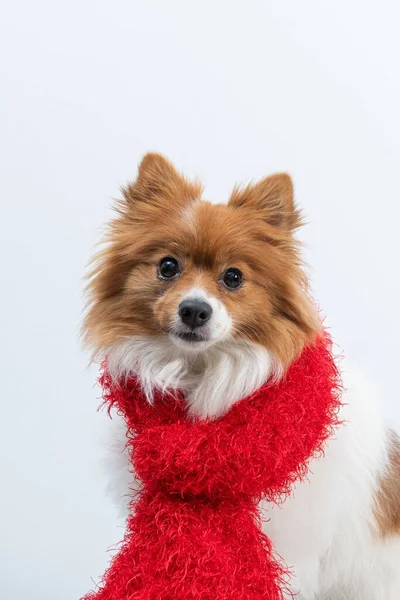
229,91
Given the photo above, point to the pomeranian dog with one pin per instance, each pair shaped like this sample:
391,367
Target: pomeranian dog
212,299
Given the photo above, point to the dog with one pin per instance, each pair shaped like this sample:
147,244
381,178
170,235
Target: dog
213,300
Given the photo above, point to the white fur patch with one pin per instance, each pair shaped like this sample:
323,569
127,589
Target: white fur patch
326,530
212,381
189,213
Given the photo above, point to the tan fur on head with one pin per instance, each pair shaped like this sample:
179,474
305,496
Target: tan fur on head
161,215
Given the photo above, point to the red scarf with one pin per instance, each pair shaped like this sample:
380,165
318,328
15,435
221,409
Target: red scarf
194,532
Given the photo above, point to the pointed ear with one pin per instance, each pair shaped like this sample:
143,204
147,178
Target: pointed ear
158,182
156,173
273,197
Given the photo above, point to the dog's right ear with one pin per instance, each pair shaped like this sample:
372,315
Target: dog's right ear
157,174
159,183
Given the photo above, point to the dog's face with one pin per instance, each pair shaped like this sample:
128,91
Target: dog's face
200,274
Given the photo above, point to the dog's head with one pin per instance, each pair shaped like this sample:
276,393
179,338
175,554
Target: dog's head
192,275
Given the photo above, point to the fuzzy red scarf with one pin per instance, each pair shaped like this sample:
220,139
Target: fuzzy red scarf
194,532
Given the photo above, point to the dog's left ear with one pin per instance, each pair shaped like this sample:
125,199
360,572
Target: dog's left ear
273,198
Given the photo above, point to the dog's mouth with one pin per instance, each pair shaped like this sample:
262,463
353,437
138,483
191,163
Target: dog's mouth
189,336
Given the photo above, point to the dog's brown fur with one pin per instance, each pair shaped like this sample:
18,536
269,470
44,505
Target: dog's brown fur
388,498
160,215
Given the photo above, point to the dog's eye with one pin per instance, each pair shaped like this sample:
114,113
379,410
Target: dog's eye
168,267
232,278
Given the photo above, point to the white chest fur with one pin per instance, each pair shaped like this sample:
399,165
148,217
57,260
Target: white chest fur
326,531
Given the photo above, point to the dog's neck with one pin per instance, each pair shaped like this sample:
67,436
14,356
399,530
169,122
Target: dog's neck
212,380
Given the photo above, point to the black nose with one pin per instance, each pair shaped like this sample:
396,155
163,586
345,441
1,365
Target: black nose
194,313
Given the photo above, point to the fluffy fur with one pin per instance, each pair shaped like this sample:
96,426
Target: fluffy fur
254,233
326,530
339,530
212,381
194,532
